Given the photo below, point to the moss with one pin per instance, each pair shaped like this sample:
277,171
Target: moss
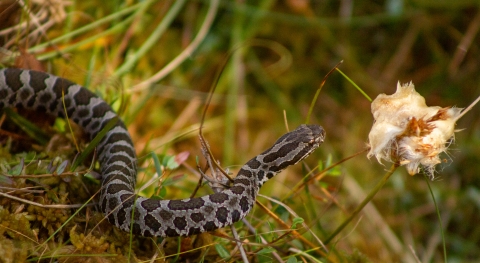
14,250
16,236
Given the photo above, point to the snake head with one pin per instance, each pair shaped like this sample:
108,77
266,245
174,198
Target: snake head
293,147
308,138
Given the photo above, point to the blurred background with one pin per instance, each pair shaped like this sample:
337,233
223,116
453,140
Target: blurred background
156,61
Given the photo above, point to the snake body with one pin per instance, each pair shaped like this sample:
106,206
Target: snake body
59,97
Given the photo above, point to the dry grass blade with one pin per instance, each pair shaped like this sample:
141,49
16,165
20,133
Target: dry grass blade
295,233
36,203
292,212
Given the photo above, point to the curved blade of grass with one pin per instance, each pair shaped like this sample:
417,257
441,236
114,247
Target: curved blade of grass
177,255
131,236
31,129
94,25
17,169
156,161
152,39
68,122
318,92
91,146
186,53
355,85
305,254
117,27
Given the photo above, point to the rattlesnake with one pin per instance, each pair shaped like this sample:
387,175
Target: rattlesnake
43,92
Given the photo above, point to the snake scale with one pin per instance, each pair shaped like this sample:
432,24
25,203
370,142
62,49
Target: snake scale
43,92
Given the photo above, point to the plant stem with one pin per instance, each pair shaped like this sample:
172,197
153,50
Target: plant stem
439,220
363,203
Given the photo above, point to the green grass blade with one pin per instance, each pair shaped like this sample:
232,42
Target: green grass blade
91,146
31,129
152,39
156,161
88,28
355,85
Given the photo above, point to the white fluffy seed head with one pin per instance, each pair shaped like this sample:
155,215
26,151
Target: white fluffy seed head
407,131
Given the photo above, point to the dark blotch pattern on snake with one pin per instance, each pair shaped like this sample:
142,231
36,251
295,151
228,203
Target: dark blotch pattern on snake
42,92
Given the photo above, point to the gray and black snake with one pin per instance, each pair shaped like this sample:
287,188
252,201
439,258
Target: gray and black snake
43,92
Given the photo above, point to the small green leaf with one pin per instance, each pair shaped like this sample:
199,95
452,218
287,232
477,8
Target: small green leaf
291,259
17,169
162,192
222,251
52,195
172,163
93,176
156,162
6,180
329,160
61,168
173,180
320,165
32,155
60,124
169,162
335,171
323,185
296,221
266,250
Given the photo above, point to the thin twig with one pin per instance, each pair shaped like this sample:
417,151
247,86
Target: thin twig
303,253
239,244
217,187
295,215
414,254
467,109
26,189
284,225
254,232
45,175
41,205
464,45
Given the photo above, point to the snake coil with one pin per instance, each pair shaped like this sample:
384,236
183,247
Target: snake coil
43,92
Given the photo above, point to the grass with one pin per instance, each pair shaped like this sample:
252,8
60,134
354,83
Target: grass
281,52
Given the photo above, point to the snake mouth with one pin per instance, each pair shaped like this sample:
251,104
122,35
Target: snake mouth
320,136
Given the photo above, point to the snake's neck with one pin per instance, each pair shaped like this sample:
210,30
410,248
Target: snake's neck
255,173
289,149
